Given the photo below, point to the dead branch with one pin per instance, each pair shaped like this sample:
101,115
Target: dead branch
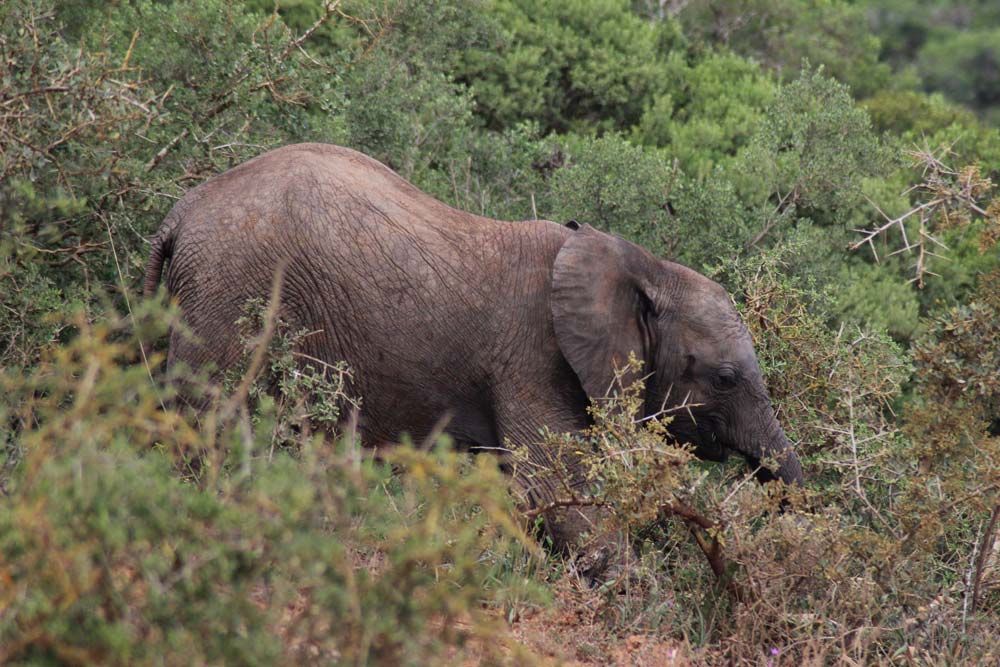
562,504
985,548
702,529
162,153
951,195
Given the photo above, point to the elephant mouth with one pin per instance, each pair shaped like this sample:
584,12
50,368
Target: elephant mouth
715,450
701,434
708,446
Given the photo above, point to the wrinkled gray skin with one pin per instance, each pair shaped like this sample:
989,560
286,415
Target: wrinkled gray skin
503,327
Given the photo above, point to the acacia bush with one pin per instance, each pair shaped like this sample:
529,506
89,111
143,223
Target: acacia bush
103,130
306,555
317,554
888,554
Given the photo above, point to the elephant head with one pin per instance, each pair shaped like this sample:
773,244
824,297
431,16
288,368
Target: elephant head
611,297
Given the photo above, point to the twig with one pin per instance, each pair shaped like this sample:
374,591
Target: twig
128,306
985,548
557,504
166,149
329,7
776,215
37,91
262,342
711,548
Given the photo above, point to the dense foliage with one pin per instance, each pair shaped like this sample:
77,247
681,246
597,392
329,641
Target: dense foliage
832,163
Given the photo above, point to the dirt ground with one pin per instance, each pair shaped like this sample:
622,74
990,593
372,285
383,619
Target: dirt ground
568,632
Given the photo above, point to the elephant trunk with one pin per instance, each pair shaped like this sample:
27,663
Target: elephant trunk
774,447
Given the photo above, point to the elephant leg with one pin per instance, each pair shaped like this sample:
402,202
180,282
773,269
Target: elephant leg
553,486
186,356
205,354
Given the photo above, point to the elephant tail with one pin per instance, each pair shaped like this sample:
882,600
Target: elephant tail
163,249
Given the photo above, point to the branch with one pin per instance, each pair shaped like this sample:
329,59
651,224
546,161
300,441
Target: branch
784,201
984,548
561,504
951,195
892,222
329,7
710,547
260,352
166,149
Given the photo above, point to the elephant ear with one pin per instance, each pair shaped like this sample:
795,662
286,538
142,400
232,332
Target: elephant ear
599,306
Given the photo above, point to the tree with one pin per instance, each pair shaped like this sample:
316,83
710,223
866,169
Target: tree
569,65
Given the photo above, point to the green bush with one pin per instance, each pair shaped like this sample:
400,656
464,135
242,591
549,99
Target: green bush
710,110
569,65
812,151
114,126
311,554
877,298
615,186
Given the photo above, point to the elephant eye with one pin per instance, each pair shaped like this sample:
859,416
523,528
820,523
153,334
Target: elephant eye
725,378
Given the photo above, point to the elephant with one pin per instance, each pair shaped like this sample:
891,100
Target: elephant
501,327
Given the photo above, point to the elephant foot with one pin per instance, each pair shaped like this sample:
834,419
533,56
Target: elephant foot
608,564
597,556
593,566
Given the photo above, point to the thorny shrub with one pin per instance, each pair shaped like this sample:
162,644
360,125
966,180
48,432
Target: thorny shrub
888,557
315,555
306,392
318,553
286,548
947,199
